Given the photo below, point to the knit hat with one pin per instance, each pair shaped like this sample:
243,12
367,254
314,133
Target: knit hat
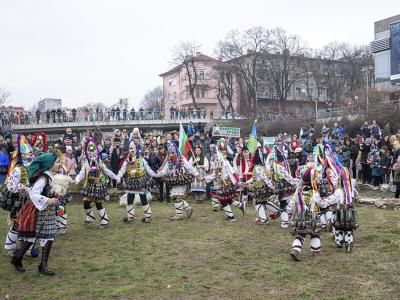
41,164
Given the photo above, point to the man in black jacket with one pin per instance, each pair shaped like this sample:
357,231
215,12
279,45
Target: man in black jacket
59,113
53,115
73,114
37,116
154,160
48,114
365,167
116,156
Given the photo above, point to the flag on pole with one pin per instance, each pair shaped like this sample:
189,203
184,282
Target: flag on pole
252,142
184,145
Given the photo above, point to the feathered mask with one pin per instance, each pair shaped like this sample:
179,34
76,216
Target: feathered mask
172,149
39,142
22,155
91,150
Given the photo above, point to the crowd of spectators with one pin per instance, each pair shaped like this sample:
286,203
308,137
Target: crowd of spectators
372,155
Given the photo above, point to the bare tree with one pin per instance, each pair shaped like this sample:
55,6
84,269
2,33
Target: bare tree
356,58
184,55
314,74
152,99
95,105
283,64
224,75
244,51
335,69
4,96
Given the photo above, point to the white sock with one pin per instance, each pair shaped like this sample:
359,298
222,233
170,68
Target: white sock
179,208
130,211
11,240
297,244
147,211
315,244
262,215
228,211
103,217
89,215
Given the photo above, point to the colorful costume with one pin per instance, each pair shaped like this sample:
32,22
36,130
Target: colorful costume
243,166
262,189
214,165
329,169
37,219
198,187
283,182
15,193
95,175
304,208
39,143
224,186
345,219
136,175
178,175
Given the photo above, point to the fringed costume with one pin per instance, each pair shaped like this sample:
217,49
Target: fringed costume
304,208
15,193
37,219
224,187
94,174
178,174
137,179
283,181
39,143
243,166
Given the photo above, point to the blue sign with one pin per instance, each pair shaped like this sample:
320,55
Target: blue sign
395,53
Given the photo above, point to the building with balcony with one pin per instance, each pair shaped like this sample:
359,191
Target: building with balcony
209,94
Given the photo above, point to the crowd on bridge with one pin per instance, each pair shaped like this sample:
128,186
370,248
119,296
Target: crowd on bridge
308,180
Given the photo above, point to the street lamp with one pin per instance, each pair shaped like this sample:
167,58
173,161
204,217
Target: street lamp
366,70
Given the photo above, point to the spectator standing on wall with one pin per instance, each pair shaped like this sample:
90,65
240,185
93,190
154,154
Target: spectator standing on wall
53,115
133,112
48,115
124,114
118,112
73,114
59,113
37,116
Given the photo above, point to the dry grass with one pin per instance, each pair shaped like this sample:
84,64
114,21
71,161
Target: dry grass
205,257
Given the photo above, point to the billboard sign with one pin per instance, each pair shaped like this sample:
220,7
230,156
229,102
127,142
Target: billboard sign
230,132
395,53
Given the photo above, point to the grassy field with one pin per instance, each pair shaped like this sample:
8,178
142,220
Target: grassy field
205,257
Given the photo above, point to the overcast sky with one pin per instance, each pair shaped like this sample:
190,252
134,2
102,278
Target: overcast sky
82,51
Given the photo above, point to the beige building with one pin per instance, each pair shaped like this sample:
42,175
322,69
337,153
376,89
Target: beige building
176,89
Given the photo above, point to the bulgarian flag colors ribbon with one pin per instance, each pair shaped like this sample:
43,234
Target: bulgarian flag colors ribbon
184,145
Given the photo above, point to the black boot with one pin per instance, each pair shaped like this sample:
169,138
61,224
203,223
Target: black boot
45,257
16,260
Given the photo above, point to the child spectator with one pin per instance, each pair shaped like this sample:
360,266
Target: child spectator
376,171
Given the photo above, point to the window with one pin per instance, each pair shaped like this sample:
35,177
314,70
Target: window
322,93
172,97
200,92
172,81
200,74
310,92
298,92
